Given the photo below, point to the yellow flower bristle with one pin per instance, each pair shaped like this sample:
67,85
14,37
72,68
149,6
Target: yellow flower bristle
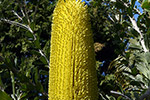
72,74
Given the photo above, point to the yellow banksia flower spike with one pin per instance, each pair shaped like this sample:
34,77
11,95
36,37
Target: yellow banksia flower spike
72,74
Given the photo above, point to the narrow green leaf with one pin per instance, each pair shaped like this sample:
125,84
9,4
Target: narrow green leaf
36,75
129,10
1,83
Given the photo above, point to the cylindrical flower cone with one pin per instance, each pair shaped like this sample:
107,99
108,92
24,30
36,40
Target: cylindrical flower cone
72,74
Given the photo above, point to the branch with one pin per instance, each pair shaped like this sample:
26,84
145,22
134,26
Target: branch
42,54
17,24
15,13
120,94
26,13
145,95
29,29
22,12
111,18
134,24
25,27
126,5
20,25
35,11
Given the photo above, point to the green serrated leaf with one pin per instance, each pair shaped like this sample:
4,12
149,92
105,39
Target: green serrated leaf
34,52
39,87
32,25
135,47
37,43
146,4
139,18
42,72
29,34
5,3
4,96
25,20
133,3
43,60
147,57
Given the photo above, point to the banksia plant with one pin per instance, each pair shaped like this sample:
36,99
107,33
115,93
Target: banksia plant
72,74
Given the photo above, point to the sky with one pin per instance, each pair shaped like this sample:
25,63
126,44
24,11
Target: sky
139,7
136,4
